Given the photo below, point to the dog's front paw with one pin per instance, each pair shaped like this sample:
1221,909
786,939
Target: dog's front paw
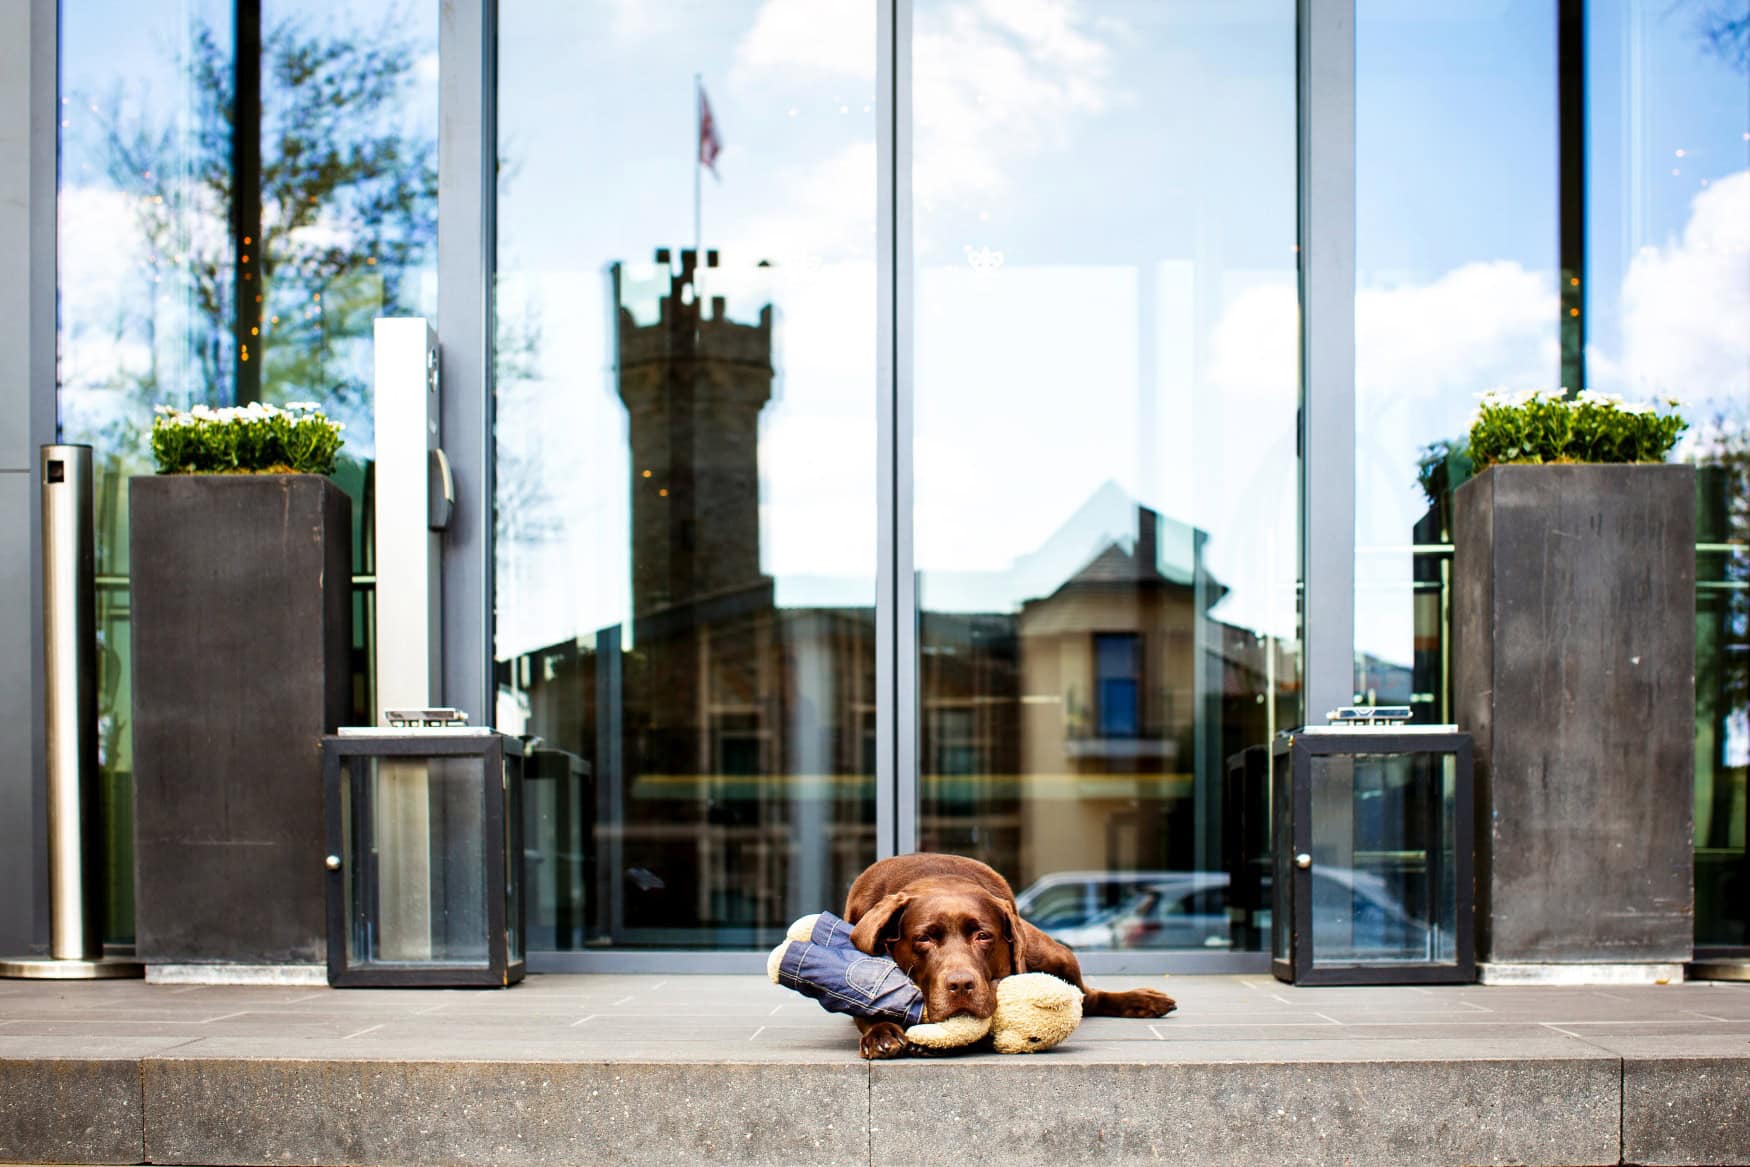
1148,1003
1129,1003
884,1039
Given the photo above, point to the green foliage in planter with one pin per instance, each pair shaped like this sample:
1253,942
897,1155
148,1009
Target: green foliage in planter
1533,427
1443,468
246,439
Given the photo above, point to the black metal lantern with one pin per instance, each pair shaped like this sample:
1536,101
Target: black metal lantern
424,857
1372,877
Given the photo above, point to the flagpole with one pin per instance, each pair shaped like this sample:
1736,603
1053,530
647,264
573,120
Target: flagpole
698,151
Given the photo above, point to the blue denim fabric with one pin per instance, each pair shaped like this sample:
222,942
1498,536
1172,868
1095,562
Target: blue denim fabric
844,979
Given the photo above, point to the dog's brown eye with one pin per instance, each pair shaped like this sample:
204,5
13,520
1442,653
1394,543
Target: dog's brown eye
921,938
984,937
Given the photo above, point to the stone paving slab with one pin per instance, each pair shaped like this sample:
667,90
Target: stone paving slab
230,1110
1344,1113
729,1069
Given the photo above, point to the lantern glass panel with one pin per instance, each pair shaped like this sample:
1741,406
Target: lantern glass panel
1384,887
416,875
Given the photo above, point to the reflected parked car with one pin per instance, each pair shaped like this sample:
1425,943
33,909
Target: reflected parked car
1131,909
1189,910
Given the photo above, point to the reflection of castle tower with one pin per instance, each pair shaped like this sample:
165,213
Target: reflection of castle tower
693,386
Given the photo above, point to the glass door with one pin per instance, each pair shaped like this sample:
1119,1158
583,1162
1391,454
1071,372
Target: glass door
686,492
1106,380
1075,315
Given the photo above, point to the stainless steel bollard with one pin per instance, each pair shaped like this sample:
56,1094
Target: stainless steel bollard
76,851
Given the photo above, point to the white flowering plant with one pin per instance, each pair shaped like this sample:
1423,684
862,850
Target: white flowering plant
1535,427
246,439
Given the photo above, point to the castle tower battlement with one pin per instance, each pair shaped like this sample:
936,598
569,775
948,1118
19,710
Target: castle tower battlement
693,384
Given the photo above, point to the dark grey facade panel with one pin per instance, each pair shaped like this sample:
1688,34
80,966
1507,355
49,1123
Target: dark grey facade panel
27,420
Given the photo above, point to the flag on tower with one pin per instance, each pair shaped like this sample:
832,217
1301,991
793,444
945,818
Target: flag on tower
709,143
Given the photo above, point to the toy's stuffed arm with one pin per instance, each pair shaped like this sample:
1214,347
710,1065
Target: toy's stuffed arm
797,933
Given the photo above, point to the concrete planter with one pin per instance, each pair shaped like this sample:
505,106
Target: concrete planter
1574,670
241,662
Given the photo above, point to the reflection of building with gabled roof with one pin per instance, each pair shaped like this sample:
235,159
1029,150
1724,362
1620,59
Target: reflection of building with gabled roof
1113,652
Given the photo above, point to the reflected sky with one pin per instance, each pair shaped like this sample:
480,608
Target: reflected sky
1184,102
1457,217
136,327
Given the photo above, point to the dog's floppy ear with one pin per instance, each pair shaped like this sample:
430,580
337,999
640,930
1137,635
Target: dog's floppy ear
870,932
1017,938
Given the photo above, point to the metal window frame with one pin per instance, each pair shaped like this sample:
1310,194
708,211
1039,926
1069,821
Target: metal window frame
1326,177
466,262
891,501
1326,92
908,689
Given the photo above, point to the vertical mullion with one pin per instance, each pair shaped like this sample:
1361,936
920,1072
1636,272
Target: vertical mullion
906,701
1326,78
895,764
246,195
467,52
1571,154
885,591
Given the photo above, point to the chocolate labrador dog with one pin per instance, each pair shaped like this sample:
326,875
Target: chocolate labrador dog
951,923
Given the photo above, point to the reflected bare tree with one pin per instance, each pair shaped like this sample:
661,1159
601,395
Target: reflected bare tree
1724,27
348,193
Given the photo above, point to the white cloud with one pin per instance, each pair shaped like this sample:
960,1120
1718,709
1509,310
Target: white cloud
1476,327
1686,306
634,20
807,38
997,81
994,81
828,213
1256,343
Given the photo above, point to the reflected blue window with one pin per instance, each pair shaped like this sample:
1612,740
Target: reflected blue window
1118,684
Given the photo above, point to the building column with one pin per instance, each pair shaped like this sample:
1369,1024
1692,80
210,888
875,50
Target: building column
27,420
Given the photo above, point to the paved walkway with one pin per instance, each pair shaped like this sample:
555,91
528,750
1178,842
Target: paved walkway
705,1069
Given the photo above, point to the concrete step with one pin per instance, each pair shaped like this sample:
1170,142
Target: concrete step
635,1070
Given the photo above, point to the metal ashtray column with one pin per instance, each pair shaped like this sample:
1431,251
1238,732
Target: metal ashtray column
70,716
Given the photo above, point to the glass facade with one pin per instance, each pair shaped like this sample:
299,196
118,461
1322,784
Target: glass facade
1456,256
950,416
1665,308
243,188
686,409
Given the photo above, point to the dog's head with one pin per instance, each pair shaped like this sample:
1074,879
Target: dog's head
952,937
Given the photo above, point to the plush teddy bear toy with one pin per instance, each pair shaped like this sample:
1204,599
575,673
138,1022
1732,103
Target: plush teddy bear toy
1034,1011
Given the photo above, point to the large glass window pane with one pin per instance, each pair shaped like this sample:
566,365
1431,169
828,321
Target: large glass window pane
685,501
1456,293
243,187
1106,380
1668,315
